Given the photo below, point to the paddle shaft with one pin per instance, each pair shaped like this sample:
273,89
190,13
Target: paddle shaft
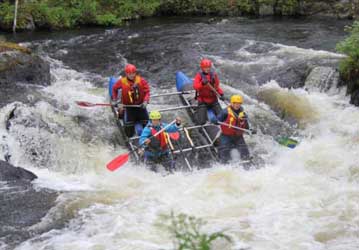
216,92
173,93
90,104
160,131
235,127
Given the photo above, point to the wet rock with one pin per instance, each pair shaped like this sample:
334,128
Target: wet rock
18,64
322,78
290,75
10,173
22,206
354,99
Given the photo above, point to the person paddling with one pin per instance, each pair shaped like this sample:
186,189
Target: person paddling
156,148
234,122
135,91
205,94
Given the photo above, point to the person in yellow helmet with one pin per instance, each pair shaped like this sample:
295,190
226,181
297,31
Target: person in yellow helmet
234,122
156,148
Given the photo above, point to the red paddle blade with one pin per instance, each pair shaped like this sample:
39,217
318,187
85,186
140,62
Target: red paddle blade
118,162
85,104
175,135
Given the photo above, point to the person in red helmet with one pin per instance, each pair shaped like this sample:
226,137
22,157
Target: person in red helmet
135,91
206,84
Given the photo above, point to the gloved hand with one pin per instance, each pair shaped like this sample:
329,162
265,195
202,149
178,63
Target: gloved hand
204,82
221,97
178,121
253,131
215,122
114,103
144,105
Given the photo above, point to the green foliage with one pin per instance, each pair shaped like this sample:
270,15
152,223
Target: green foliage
107,19
6,14
349,67
58,14
246,6
204,7
187,234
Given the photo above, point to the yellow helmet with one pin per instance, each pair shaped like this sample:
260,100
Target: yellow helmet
236,99
155,115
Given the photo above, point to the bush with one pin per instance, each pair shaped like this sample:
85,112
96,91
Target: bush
107,19
349,67
186,231
58,14
6,14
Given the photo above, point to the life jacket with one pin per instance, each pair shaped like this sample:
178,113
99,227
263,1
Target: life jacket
233,120
162,137
205,80
131,94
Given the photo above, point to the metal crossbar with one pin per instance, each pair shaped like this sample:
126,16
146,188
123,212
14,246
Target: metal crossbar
173,93
175,108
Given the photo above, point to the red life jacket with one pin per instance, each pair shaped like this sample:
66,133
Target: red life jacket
204,79
162,137
233,120
131,95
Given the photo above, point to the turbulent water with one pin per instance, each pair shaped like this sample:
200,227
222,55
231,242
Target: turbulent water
302,198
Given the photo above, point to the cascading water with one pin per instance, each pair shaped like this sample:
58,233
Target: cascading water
302,198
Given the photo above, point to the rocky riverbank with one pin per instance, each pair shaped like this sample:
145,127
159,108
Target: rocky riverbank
20,69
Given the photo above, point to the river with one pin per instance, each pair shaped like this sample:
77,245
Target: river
304,198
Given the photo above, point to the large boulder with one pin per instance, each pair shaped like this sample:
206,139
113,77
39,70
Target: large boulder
10,173
22,205
322,78
354,99
19,64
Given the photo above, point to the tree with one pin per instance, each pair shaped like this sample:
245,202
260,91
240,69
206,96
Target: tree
15,16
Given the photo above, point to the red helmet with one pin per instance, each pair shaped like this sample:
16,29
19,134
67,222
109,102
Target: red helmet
206,63
130,68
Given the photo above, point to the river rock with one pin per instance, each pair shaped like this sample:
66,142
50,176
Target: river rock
19,64
22,205
11,173
354,99
322,78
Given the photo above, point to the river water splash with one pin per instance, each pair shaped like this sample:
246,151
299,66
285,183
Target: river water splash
302,198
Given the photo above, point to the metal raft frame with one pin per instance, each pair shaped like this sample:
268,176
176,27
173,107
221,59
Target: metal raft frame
205,141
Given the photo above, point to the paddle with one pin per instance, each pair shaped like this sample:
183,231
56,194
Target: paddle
173,93
217,94
288,142
285,141
120,160
174,135
235,127
90,104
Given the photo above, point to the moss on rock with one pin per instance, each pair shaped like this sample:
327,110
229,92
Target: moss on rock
8,46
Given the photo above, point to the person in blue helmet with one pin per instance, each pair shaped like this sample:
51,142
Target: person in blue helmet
156,149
